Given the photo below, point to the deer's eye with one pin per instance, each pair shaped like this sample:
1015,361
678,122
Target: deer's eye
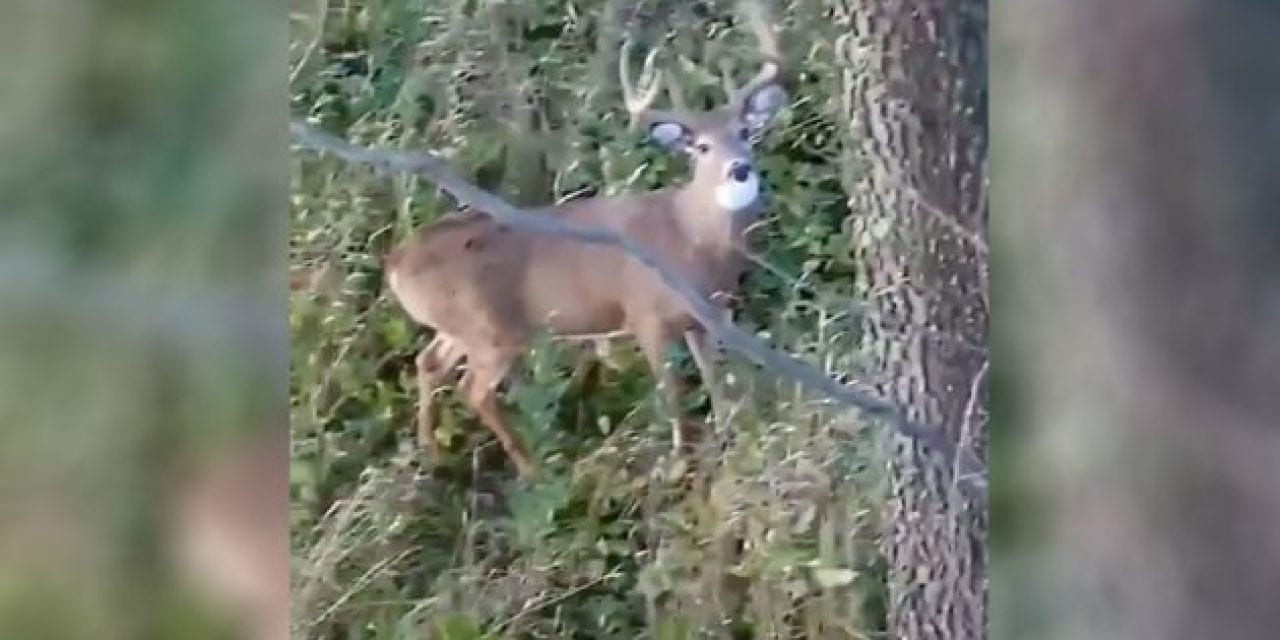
702,147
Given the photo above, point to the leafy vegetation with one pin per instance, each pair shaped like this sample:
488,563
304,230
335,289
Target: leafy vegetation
768,531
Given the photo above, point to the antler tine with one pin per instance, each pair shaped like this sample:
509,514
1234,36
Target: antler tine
640,103
770,51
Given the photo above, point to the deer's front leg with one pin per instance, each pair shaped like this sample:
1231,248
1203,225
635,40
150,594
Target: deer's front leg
704,355
654,340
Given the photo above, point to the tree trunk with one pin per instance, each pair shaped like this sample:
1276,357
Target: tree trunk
918,80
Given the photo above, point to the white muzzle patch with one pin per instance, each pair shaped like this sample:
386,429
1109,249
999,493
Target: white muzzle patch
736,196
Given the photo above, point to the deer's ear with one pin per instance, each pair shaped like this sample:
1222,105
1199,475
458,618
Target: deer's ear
761,105
673,136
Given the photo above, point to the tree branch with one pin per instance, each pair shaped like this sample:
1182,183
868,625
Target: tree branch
731,337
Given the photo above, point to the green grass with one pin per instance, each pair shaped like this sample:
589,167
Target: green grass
769,530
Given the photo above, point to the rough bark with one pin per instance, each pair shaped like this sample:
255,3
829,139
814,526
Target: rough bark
917,93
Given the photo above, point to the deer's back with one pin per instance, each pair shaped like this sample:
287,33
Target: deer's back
469,273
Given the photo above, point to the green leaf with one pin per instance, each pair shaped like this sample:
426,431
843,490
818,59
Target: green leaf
459,627
675,628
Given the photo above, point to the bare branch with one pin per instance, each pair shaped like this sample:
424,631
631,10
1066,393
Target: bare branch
948,219
970,410
731,337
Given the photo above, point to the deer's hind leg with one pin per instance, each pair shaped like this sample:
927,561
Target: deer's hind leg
436,363
485,371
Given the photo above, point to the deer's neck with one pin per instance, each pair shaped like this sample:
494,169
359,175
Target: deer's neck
708,222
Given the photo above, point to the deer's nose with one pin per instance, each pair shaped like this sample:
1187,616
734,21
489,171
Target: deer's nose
740,171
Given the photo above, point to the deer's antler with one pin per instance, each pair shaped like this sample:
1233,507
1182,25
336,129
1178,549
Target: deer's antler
770,51
640,102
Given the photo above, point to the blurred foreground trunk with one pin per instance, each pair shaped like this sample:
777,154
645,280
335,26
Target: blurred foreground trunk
1139,257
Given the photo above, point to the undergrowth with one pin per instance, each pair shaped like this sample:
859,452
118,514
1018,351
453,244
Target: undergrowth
768,530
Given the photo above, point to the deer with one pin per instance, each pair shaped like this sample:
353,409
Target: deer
487,290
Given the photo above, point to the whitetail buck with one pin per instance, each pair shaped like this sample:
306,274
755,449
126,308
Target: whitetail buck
487,289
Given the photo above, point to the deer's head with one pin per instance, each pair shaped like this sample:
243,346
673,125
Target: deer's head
718,142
